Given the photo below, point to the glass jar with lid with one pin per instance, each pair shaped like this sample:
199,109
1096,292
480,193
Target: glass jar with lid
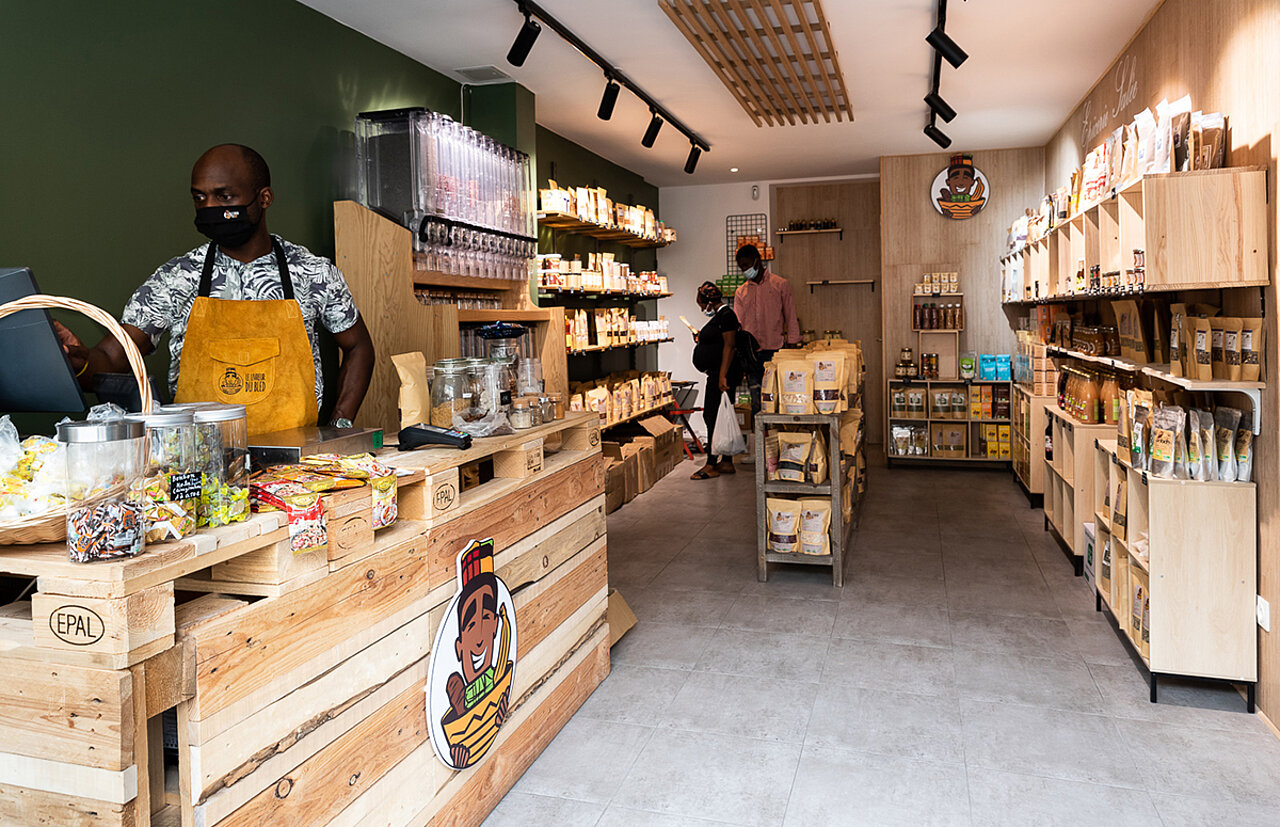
105,464
450,391
486,379
172,474
522,412
222,458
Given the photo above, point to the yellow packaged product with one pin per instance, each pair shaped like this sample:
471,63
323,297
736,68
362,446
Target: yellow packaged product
815,526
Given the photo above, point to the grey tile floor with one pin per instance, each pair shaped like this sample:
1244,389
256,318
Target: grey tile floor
961,676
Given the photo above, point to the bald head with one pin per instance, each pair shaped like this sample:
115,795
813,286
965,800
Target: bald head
237,158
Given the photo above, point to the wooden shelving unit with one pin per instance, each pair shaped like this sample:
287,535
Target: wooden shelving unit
573,224
1030,418
931,416
1183,249
1068,495
607,348
1198,574
842,472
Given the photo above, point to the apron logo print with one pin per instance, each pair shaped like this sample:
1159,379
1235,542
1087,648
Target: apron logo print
231,383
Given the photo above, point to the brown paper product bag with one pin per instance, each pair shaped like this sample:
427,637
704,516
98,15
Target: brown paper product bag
415,397
1217,351
816,473
1231,348
1200,342
1133,345
1177,341
793,456
783,525
795,386
769,388
815,526
1250,350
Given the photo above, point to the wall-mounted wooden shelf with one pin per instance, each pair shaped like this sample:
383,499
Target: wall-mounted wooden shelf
1166,217
573,224
782,234
606,348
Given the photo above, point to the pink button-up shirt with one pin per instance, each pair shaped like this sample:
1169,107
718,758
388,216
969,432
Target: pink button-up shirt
767,311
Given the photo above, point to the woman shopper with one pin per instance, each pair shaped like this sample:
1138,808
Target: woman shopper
715,355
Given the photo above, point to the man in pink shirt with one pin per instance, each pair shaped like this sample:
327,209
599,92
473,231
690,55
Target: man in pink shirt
766,310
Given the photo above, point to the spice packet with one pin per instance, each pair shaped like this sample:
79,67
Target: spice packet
1208,443
1226,421
1244,454
1166,432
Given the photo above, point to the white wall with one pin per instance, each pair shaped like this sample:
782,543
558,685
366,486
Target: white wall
698,216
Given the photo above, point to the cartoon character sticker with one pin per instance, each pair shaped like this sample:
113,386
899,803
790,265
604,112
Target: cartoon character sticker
473,662
961,189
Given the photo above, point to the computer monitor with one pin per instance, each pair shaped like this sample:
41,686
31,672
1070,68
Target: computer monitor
35,374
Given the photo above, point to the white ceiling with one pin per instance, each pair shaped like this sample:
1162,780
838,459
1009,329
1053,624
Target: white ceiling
1030,62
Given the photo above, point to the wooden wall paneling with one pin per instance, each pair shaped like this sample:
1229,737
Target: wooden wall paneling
852,308
1224,55
917,239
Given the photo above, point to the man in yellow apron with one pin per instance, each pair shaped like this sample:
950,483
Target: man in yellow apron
241,311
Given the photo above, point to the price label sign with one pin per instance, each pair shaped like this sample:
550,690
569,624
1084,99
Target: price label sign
184,486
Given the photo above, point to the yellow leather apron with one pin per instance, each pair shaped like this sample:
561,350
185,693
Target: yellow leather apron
251,353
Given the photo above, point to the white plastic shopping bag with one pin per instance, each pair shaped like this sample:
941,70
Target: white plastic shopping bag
728,440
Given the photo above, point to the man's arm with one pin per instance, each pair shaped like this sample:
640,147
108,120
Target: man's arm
107,356
356,369
789,314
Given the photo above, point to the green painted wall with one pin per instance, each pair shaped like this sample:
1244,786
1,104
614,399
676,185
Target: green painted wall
107,105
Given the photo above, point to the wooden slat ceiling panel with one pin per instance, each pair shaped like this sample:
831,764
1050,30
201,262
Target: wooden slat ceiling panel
775,57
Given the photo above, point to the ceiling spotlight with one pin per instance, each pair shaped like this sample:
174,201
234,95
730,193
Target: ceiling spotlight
524,41
692,162
946,47
733,169
935,134
605,112
651,134
940,107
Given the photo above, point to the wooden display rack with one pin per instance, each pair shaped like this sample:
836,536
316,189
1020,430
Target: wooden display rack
1030,418
304,706
1069,490
1199,575
1183,251
840,475
933,417
376,256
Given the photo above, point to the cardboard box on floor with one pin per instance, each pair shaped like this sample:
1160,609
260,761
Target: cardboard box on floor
628,454
615,485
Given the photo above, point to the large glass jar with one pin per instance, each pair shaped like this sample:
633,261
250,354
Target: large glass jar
172,474
222,456
450,391
487,383
506,352
105,463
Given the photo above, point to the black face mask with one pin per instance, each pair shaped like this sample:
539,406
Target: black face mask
228,227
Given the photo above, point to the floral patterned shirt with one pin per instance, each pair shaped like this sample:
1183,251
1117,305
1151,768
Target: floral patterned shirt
163,301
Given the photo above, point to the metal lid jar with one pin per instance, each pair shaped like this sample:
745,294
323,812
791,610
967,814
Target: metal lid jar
105,465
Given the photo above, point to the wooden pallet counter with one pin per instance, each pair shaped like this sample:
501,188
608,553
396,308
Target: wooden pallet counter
299,684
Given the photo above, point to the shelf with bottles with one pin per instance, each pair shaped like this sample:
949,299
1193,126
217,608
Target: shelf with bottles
938,312
589,211
1150,234
1177,569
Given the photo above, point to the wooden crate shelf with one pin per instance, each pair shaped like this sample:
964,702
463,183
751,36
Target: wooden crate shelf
1199,575
1183,251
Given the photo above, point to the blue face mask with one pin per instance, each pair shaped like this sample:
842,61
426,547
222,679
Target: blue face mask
752,273
709,311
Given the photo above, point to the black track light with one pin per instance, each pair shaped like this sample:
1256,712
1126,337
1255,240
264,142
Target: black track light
935,134
605,112
692,163
651,134
946,47
524,41
940,107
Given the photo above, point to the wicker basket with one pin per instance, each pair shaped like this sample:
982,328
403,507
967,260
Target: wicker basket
51,527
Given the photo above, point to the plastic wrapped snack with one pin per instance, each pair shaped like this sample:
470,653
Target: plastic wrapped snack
1226,421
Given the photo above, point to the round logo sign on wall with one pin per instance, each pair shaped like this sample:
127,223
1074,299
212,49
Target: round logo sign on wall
961,190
